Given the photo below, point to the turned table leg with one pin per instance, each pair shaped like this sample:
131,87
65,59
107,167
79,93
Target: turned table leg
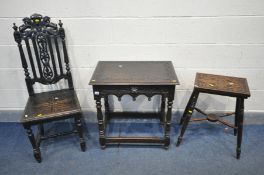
36,150
188,114
168,123
101,127
162,109
107,109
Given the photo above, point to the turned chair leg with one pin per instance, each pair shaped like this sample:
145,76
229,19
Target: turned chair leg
36,150
187,116
80,132
240,119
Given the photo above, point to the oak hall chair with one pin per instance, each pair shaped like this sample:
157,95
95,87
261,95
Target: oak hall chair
43,55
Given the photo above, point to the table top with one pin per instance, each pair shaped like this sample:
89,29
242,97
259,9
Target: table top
222,84
134,73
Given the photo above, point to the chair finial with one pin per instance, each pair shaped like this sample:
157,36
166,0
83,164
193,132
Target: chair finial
60,23
14,26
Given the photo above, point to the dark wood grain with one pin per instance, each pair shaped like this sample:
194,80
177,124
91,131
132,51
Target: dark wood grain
218,85
134,73
134,78
53,105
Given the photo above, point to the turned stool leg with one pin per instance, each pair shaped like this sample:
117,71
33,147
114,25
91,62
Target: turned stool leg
100,119
186,109
168,124
188,115
41,128
80,132
236,116
36,150
240,119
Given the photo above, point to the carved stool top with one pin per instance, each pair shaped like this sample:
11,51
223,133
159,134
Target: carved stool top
134,73
222,85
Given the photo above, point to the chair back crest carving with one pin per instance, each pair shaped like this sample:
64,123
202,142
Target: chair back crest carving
46,51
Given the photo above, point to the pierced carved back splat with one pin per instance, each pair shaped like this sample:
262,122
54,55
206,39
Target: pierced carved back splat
47,71
44,41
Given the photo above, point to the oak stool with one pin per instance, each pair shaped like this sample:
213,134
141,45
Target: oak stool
218,85
42,46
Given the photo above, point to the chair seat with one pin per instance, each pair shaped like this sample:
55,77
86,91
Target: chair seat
51,105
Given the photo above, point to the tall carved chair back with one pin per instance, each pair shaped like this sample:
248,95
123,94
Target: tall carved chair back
45,60
42,45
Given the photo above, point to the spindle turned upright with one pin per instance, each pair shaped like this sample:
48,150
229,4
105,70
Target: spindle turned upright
44,55
134,78
218,85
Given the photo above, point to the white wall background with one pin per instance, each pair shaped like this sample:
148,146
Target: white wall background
213,36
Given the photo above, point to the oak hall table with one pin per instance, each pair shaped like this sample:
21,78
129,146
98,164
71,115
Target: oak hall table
134,78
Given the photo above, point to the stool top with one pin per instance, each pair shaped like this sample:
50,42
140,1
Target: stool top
222,85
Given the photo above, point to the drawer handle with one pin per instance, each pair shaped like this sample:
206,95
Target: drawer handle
134,89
